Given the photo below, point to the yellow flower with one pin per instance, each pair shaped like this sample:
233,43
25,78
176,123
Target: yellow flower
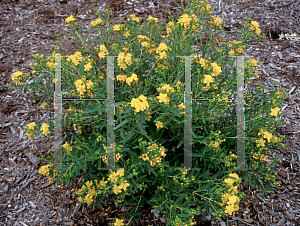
124,186
184,19
232,200
116,189
16,77
67,146
70,19
229,209
181,106
118,222
261,142
103,183
258,31
145,157
120,172
153,162
152,19
44,129
50,64
87,67
81,200
216,68
31,125
159,124
268,136
254,62
203,63
89,199
275,111
127,34
89,84
231,52
43,105
31,135
163,98
113,176
117,27
208,79
145,44
255,24
96,22
81,88
78,83
103,51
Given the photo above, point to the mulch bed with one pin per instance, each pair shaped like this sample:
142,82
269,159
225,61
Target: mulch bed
29,27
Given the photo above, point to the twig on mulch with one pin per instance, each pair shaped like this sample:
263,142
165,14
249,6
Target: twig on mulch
27,184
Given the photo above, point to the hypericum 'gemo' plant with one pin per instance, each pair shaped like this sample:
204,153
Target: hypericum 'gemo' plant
149,90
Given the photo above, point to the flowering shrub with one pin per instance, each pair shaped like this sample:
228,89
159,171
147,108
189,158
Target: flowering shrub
149,119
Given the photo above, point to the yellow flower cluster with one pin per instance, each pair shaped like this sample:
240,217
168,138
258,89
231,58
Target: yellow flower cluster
261,142
114,177
184,20
154,156
94,23
80,86
45,169
275,111
124,59
255,27
117,27
104,158
163,98
67,146
45,129
144,40
201,61
170,25
216,21
167,87
103,51
237,47
134,18
152,19
230,197
161,50
140,104
16,77
76,58
129,80
50,65
159,124
70,19
31,127
216,69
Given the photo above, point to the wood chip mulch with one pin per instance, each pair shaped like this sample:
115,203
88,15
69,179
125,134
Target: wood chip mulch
29,27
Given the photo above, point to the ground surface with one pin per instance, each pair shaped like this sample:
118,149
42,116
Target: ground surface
29,27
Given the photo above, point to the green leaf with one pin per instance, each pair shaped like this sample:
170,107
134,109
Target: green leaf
96,40
180,143
142,129
121,124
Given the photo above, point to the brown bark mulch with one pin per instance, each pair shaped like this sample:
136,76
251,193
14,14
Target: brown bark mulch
29,27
